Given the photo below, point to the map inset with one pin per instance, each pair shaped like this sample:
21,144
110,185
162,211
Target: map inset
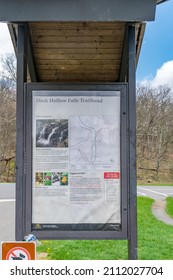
94,140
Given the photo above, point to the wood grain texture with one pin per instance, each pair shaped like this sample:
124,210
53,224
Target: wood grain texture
77,51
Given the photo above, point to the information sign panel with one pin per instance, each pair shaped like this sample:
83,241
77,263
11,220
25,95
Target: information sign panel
76,169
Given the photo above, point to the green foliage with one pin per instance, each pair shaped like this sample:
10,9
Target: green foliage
169,206
155,241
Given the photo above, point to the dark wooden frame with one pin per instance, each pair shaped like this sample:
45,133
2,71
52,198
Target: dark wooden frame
87,233
128,75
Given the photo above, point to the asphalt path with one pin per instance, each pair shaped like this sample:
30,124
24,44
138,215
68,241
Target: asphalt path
7,213
7,191
155,192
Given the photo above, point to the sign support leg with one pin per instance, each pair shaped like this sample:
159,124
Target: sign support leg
132,218
21,79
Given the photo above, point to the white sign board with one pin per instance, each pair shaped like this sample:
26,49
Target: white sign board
75,158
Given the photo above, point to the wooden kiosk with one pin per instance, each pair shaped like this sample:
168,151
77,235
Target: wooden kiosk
91,48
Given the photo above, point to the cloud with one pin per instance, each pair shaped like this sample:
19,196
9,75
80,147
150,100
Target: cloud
164,75
5,40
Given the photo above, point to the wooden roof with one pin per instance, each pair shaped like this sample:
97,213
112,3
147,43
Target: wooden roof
80,42
79,51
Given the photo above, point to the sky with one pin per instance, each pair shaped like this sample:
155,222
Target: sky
5,41
156,58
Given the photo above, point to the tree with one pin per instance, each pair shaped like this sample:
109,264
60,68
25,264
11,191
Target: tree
7,117
154,126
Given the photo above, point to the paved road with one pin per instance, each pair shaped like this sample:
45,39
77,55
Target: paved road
7,191
155,192
7,213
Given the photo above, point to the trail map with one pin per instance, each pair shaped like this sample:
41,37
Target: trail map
94,140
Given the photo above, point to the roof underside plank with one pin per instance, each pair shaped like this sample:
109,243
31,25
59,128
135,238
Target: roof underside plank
78,52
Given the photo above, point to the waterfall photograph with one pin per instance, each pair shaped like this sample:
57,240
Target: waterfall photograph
52,133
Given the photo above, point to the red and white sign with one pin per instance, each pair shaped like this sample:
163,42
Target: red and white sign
18,253
111,175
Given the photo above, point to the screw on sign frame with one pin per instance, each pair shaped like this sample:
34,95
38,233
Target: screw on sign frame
18,253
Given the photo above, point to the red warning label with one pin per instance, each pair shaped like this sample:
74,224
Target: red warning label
111,175
18,253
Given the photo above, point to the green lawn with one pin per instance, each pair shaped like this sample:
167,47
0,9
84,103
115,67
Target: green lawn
155,237
155,241
169,206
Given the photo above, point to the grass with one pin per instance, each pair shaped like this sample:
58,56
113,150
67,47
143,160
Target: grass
84,250
169,206
155,237
155,241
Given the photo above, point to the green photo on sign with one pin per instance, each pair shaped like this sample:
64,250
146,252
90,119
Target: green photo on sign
47,179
